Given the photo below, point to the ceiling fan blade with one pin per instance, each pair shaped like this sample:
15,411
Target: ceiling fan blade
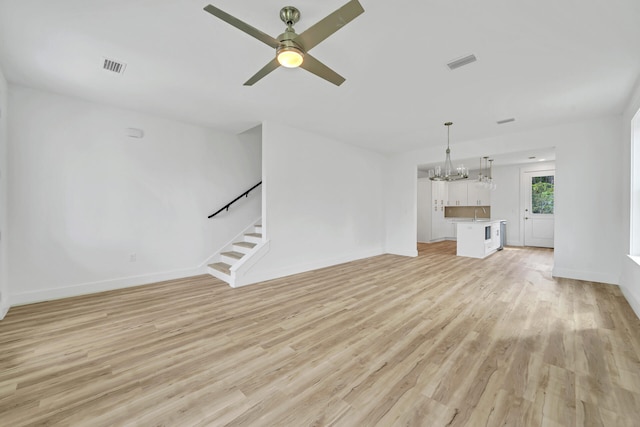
316,67
242,26
330,24
272,65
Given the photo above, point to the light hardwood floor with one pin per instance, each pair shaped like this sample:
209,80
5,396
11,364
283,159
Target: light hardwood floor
436,340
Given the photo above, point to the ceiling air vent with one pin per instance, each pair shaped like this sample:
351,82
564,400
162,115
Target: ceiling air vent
113,65
462,62
501,122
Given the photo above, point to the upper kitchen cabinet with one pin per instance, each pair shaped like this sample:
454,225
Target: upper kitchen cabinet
457,193
439,193
478,195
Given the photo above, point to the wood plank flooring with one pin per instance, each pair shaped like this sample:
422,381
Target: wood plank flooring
436,340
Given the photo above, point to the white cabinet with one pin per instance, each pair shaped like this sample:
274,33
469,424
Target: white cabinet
438,193
484,197
478,239
457,193
438,222
451,230
495,236
477,195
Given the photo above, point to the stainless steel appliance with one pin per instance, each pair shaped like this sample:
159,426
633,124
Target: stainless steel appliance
503,234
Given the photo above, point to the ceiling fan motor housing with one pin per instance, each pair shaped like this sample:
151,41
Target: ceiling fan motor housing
289,15
286,39
287,44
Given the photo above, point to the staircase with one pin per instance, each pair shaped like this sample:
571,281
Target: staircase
237,253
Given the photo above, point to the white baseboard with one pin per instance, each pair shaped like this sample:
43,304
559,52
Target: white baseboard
305,267
634,303
630,282
3,311
589,276
101,286
403,252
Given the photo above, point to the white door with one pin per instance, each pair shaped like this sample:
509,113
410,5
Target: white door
539,207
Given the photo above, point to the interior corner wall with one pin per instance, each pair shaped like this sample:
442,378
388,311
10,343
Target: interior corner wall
585,203
322,202
4,278
94,209
401,187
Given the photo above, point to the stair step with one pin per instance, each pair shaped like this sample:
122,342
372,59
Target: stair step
253,237
247,245
222,267
233,254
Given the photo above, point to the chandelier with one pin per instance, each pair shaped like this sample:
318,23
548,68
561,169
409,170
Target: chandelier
485,180
448,173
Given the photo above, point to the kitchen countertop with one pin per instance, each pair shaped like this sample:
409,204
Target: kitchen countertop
472,221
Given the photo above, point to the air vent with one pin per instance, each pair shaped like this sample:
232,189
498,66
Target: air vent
501,122
113,65
462,62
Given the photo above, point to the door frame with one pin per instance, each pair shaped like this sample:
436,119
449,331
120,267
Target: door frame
536,168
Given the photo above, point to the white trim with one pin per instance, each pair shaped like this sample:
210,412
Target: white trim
310,266
3,311
634,185
629,282
408,252
589,276
546,168
30,297
246,263
229,245
635,304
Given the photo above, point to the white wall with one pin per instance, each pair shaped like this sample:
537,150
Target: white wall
630,278
584,201
322,202
425,206
506,200
84,196
4,284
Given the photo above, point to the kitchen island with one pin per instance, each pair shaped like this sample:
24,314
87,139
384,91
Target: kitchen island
478,238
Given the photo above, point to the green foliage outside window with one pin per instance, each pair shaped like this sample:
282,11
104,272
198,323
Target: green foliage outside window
542,195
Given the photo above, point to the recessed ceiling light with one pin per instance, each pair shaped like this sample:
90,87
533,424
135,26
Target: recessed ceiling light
457,63
541,160
503,121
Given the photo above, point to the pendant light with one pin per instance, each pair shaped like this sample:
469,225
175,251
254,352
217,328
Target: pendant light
485,180
448,173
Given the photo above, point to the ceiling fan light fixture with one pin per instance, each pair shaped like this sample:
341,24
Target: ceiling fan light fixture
290,56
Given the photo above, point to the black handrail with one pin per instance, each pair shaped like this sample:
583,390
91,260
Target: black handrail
245,194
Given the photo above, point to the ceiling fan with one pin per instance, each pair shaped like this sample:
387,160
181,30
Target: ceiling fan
291,48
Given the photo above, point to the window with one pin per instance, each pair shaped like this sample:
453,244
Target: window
542,188
635,186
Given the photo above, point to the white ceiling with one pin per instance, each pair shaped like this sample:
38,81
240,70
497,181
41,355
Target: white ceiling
544,62
536,155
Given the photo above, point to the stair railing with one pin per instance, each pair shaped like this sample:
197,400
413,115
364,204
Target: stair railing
226,207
